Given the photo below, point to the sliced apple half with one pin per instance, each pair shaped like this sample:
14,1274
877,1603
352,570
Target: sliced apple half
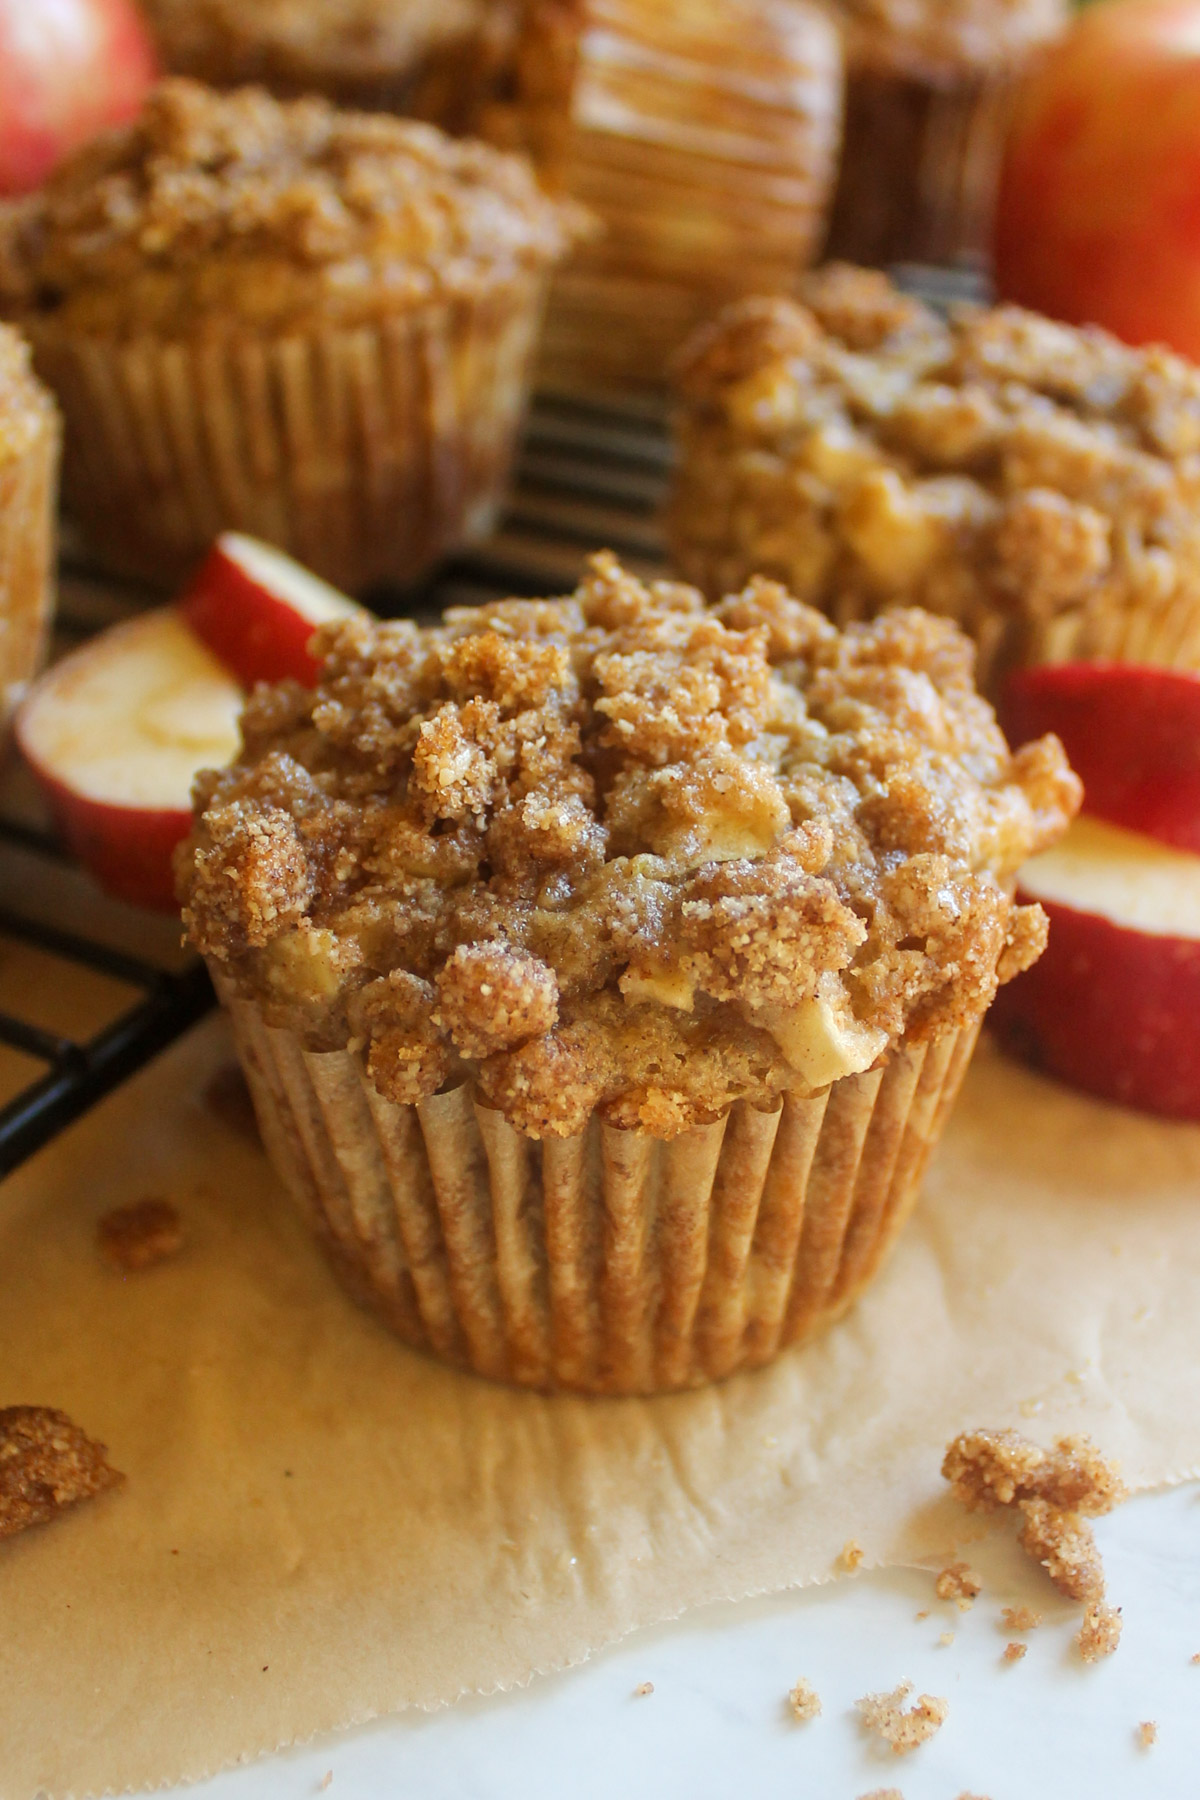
257,610
115,734
1114,1004
1131,733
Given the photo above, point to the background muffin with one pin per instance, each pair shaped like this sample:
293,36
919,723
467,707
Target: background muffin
702,134
603,968
1035,482
29,447
311,325
928,88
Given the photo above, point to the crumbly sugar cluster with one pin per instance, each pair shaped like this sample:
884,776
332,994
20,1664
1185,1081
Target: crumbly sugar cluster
624,851
218,210
1039,484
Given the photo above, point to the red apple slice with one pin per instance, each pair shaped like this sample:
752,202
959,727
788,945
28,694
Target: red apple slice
1114,1004
257,610
1132,735
115,734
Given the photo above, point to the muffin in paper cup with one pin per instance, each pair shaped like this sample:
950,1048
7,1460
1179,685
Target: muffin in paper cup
1035,482
701,134
29,451
310,325
604,968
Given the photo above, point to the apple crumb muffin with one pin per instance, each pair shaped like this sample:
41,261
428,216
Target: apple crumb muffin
622,871
1036,482
309,324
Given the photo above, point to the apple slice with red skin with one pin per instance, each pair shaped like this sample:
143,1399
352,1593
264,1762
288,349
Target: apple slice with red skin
115,734
1113,1006
1131,733
257,610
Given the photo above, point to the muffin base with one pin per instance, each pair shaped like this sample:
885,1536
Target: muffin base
366,452
611,1262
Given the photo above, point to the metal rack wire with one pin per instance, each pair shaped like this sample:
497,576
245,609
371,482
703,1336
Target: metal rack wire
585,477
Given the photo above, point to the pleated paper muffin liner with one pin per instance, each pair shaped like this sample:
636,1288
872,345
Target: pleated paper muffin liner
610,1262
28,512
366,452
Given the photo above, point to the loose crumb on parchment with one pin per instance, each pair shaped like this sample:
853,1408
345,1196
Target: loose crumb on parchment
1100,1632
1014,1652
139,1235
853,1555
960,1583
1147,1733
946,1639
904,1728
642,1689
882,1794
804,1702
46,1463
325,1781
1019,1618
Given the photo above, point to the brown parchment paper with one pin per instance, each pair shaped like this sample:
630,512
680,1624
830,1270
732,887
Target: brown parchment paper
319,1525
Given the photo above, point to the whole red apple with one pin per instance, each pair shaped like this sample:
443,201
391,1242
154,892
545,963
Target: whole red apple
1098,214
68,68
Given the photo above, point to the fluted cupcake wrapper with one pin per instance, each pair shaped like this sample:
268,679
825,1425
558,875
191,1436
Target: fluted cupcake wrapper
1164,632
28,512
610,1262
365,452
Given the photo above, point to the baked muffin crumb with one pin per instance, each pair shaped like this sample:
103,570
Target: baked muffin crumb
904,1727
804,1703
852,1556
1147,1733
958,1582
139,1235
1014,1652
1100,1633
1020,1618
46,1464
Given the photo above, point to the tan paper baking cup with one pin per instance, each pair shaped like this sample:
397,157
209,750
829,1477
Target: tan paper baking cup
367,453
611,1262
28,516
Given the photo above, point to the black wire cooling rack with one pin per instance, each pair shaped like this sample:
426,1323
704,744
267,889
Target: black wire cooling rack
91,989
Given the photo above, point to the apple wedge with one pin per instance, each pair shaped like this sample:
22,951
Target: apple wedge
115,734
257,610
1132,734
1113,1006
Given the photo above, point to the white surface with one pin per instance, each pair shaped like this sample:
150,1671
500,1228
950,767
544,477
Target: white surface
1045,1728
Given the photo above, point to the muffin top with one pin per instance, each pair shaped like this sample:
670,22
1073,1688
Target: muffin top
218,211
337,47
26,408
1014,473
944,40
623,851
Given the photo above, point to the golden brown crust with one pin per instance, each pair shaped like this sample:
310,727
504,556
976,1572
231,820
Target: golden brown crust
138,1235
605,850
46,1463
1036,482
214,212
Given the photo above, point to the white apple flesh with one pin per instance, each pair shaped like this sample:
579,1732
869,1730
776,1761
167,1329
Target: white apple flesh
1114,1004
257,610
115,734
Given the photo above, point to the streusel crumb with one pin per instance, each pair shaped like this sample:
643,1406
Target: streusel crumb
882,1794
958,1582
622,851
804,1703
138,1235
903,1727
1020,1618
1100,1632
643,1690
1036,482
46,1463
1014,1652
852,1556
1147,1733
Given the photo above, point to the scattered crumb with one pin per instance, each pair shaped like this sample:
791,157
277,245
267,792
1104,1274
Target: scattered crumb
1100,1632
46,1463
882,1794
853,1555
1147,1733
885,1715
139,1235
923,1615
804,1702
1020,1618
972,1797
946,1638
228,1097
325,1781
642,1689
1196,1658
1057,1491
1014,1652
959,1583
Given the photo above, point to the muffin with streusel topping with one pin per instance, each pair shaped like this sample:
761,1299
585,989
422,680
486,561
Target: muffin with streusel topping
29,446
1038,483
277,317
604,968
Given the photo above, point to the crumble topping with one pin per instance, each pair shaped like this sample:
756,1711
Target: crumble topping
1015,1651
1100,1632
960,1583
1020,1618
139,1235
46,1464
1147,1734
902,1726
621,850
214,211
1057,1492
1038,483
804,1703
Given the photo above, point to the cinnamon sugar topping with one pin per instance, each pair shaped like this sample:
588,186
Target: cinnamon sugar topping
622,850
